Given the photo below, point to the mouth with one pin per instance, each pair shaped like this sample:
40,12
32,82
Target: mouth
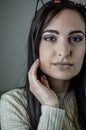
64,65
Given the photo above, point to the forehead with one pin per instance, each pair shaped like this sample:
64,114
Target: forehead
67,18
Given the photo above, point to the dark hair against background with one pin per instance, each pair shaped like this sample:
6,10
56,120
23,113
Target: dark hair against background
40,21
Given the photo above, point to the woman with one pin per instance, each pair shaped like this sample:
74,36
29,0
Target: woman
54,96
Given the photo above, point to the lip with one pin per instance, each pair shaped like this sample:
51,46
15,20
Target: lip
64,65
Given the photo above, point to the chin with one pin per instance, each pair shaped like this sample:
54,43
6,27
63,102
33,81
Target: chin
65,77
62,76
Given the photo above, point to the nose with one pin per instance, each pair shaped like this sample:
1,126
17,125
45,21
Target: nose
64,49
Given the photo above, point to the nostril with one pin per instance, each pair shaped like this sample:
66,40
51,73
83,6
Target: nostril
64,54
63,49
59,54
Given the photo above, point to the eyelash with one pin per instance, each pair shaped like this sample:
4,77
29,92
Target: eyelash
72,39
75,39
50,38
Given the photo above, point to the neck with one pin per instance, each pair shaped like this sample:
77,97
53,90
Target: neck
59,86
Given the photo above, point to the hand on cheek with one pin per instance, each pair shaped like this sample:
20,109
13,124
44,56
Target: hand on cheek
40,88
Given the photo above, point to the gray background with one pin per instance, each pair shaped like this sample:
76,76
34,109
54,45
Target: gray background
15,20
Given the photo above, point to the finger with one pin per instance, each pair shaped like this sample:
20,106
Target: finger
32,75
33,69
44,81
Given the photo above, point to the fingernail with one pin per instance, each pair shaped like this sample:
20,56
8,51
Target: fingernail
37,61
44,77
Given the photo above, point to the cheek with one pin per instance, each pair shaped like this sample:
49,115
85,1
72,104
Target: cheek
80,56
45,56
45,52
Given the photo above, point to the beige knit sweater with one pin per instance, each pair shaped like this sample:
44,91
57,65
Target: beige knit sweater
14,113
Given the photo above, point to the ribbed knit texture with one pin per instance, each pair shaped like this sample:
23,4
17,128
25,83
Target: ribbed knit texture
51,119
68,103
14,113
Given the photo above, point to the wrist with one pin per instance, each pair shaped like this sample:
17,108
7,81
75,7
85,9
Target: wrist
53,104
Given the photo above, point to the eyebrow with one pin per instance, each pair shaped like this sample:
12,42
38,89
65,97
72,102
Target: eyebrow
57,32
76,31
51,31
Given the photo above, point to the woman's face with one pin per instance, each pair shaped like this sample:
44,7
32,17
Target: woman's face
62,46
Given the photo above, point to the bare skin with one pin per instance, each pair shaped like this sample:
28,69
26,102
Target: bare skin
41,89
58,57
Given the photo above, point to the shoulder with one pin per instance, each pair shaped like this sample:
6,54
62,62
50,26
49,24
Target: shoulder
14,107
14,92
16,96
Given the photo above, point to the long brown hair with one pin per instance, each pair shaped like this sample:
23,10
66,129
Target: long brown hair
40,21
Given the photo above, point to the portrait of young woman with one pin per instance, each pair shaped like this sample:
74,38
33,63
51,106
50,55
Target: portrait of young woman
54,97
